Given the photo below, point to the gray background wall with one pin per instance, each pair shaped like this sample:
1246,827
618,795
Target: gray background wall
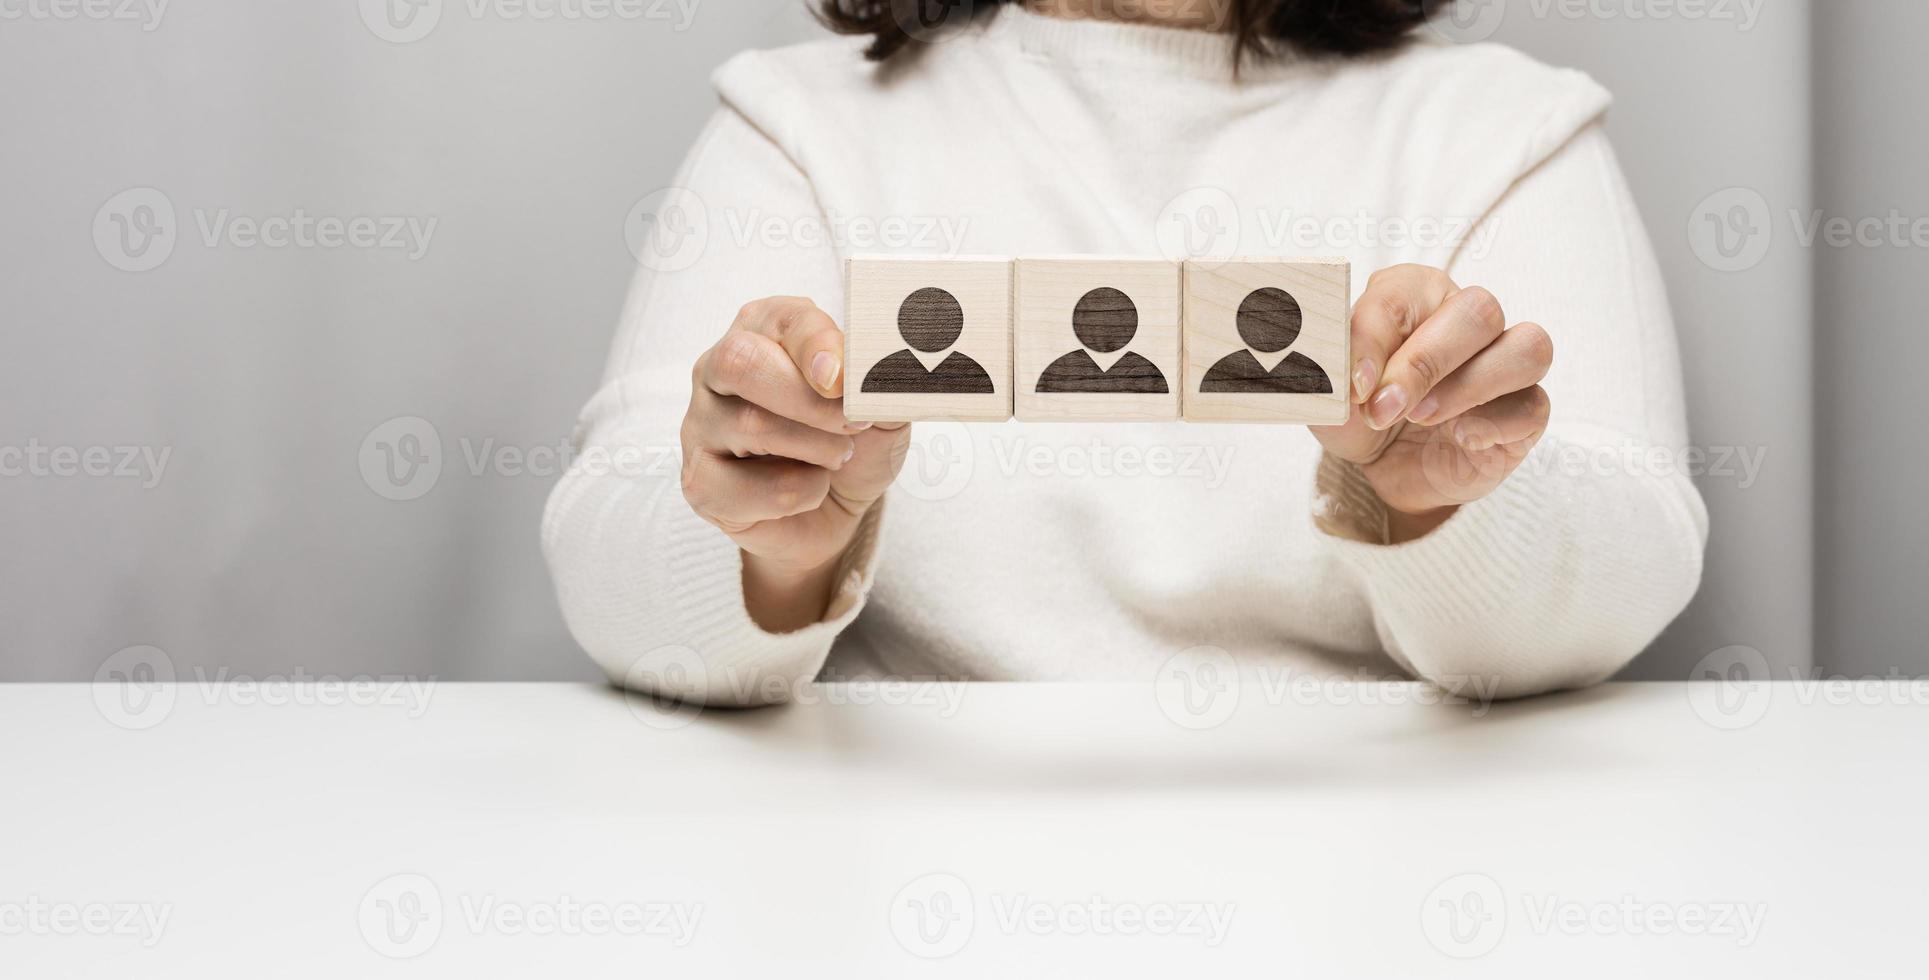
1872,135
264,371
1704,104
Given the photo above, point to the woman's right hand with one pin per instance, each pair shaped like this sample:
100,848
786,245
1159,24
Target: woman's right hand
770,460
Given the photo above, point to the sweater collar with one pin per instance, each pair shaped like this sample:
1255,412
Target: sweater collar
1078,42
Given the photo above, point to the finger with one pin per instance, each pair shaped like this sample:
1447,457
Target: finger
741,428
737,494
1519,359
757,369
880,455
1505,421
807,334
1397,299
1463,326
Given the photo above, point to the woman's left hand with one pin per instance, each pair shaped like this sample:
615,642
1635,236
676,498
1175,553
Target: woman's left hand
1447,399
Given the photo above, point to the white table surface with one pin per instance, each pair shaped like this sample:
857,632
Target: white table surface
1002,830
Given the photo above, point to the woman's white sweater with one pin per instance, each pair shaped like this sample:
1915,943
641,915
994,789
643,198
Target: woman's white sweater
1099,551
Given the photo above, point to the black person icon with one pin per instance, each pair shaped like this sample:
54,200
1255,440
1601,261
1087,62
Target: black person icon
1104,320
1269,321
929,320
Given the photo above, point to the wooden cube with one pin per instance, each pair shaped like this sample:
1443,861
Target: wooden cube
1268,340
1097,339
927,339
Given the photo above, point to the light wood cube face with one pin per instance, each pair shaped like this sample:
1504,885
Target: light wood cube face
927,339
1097,340
1267,341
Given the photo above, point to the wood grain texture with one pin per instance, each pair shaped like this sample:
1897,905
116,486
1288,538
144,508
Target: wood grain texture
1267,340
1096,339
927,339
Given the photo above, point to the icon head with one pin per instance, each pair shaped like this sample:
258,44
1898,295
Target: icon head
1269,320
930,319
1105,319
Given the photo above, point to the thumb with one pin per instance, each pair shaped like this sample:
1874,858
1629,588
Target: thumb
812,340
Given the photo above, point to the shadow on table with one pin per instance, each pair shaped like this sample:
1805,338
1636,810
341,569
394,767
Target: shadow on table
1084,737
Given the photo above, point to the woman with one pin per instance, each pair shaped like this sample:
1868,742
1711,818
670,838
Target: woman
1475,523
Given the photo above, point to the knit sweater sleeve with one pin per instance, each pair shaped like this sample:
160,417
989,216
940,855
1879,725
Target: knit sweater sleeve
1575,563
650,590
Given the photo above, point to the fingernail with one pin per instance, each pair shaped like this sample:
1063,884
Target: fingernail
1429,407
856,426
823,369
1386,407
848,453
1365,373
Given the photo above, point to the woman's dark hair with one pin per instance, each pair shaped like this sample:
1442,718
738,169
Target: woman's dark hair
1343,27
